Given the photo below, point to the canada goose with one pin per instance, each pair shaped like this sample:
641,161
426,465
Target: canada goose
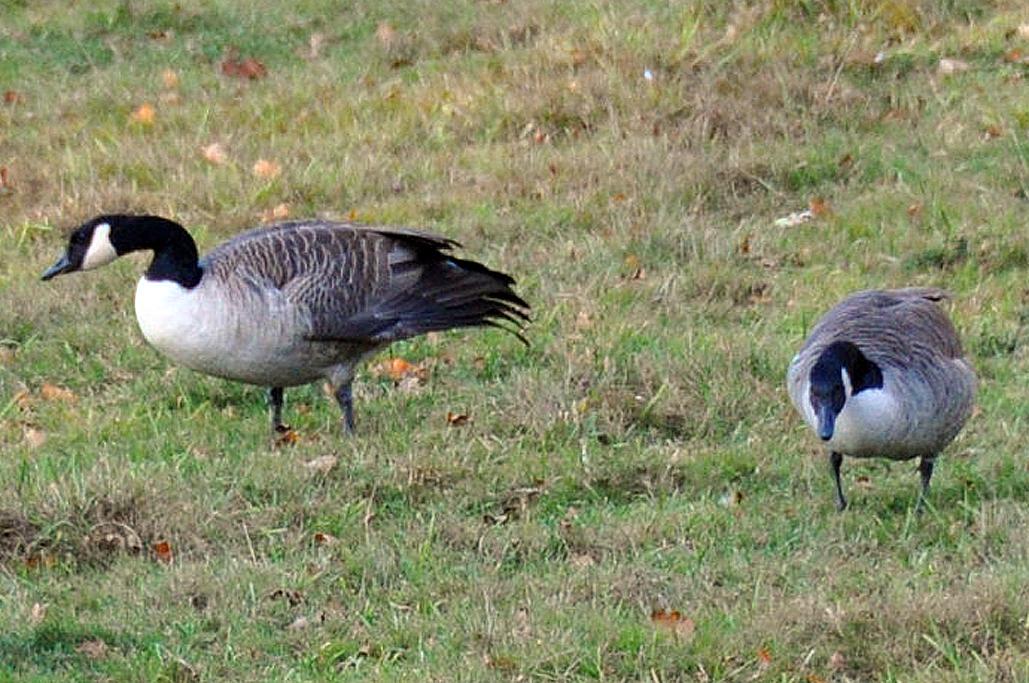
882,374
287,304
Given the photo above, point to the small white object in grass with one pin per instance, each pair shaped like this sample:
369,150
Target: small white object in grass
880,57
648,74
794,219
952,66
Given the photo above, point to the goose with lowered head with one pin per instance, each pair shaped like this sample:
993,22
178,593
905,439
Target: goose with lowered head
882,374
292,303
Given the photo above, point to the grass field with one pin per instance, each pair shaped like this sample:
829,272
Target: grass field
632,498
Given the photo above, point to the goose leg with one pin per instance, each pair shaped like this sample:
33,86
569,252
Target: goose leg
345,398
925,468
275,400
835,460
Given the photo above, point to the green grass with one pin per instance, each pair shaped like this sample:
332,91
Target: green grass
640,455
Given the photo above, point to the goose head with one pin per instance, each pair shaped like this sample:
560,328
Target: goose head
102,239
840,371
91,245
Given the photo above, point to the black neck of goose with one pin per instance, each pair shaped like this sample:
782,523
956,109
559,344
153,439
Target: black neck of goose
175,253
864,373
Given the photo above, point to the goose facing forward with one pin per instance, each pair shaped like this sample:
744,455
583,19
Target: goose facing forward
882,374
296,302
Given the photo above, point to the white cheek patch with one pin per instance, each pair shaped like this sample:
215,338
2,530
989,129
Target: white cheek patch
101,251
848,388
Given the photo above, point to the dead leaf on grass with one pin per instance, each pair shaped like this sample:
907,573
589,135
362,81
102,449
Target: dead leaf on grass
276,213
52,392
673,622
163,552
385,34
764,658
144,114
819,207
12,97
397,369
266,169
293,597
993,132
286,436
93,649
34,437
215,153
323,464
322,538
170,79
582,561
457,419
248,69
634,268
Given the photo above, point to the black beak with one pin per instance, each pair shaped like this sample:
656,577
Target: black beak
826,422
63,265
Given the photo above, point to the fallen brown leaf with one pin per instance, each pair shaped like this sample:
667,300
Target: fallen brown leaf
215,153
34,437
163,552
52,392
764,658
263,168
276,213
582,561
322,538
286,436
248,69
385,34
583,320
819,207
674,622
93,649
12,97
170,79
144,114
457,419
322,464
743,247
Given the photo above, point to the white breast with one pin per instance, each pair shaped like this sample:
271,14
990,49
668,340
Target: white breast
869,424
254,338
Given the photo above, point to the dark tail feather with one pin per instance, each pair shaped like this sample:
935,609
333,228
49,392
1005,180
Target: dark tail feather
455,293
